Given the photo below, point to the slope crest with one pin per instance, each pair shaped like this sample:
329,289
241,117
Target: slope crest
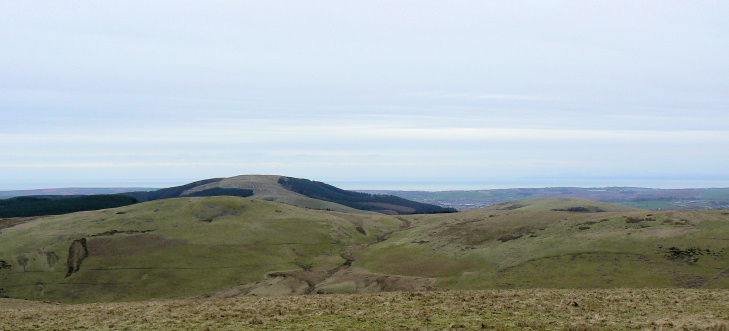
561,204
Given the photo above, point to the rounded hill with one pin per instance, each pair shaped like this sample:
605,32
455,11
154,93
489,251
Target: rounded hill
297,192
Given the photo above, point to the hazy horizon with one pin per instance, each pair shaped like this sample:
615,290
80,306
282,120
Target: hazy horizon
458,185
517,93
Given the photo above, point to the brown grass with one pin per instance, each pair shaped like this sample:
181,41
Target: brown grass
537,309
13,221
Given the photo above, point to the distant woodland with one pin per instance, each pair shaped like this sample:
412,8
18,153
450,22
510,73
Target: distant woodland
57,205
358,200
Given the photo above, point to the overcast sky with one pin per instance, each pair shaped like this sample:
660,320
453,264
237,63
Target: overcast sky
365,94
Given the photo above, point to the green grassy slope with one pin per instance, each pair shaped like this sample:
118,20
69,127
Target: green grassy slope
527,244
175,248
229,246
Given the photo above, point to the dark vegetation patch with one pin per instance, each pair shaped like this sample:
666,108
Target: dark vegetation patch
113,232
358,200
207,220
676,222
56,205
170,192
76,254
5,265
509,206
509,236
580,209
690,255
583,228
593,222
361,230
633,220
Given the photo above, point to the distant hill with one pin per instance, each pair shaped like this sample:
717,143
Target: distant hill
70,191
294,191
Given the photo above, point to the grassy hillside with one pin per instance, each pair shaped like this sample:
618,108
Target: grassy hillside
229,246
529,244
175,248
560,204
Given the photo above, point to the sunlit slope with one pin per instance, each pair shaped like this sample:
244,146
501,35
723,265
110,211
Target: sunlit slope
175,248
267,187
529,244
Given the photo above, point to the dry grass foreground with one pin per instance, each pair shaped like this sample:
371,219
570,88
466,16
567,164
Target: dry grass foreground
536,309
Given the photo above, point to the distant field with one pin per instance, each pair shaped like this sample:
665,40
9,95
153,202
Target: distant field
531,309
646,198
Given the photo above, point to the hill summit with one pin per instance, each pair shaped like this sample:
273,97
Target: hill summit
294,191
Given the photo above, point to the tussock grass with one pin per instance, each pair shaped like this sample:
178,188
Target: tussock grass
532,309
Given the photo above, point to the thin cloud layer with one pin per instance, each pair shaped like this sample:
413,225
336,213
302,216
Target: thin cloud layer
488,92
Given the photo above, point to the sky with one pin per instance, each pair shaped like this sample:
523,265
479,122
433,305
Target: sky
423,94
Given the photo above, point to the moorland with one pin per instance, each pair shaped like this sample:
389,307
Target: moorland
312,255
